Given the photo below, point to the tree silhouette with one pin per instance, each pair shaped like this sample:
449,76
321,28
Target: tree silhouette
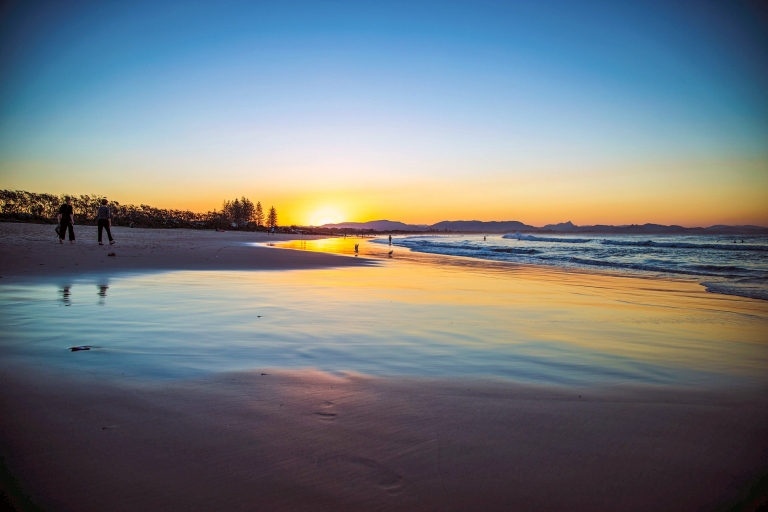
258,216
247,210
20,205
272,219
238,212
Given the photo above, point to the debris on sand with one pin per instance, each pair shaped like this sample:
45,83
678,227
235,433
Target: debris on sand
111,254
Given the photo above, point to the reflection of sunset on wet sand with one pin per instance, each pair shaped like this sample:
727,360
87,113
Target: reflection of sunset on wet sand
670,323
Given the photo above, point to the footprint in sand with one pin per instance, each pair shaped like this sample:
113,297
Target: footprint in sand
326,415
391,483
385,479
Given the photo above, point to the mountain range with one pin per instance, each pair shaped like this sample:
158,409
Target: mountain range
477,226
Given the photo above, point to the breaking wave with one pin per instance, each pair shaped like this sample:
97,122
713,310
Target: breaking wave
727,266
686,245
532,238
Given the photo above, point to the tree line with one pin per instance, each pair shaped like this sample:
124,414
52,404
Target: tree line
240,213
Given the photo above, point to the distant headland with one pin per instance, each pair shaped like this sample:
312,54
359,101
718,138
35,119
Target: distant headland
476,226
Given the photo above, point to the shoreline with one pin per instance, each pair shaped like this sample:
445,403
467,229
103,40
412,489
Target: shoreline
31,251
146,250
510,267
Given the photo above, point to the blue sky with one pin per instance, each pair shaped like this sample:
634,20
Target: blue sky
537,111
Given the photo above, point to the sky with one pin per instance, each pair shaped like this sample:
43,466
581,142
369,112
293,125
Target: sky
541,111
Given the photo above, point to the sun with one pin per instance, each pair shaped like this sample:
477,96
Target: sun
325,216
325,220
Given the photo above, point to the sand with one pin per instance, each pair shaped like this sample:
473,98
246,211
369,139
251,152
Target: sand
33,250
305,440
310,441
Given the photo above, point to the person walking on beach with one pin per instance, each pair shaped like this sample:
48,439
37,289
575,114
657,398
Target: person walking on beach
66,219
390,239
104,220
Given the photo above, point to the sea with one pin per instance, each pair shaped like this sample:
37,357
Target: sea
733,265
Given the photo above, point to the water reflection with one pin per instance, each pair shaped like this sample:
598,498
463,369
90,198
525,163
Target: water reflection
339,245
102,293
369,249
403,318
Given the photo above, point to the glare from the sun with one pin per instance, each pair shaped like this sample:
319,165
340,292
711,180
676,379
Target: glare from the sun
325,216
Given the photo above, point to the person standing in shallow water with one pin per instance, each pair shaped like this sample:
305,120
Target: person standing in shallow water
66,220
104,220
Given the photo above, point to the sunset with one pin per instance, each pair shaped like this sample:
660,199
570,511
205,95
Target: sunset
596,113
383,255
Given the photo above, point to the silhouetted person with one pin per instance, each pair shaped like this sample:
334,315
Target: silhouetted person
390,239
66,220
104,220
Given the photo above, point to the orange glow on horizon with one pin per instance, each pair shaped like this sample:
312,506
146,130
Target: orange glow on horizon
689,194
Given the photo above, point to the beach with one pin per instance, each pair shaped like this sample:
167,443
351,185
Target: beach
30,250
300,379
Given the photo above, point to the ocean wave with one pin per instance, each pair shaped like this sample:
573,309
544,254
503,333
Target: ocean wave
425,243
750,290
532,238
726,267
719,269
659,269
685,245
455,248
511,250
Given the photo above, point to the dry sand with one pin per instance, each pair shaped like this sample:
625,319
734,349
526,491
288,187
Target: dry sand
311,441
33,250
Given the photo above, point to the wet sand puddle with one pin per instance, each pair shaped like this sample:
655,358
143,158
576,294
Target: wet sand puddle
399,318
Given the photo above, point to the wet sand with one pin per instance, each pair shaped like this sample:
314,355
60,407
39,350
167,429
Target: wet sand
306,440
310,441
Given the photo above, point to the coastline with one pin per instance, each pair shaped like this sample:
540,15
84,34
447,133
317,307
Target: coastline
368,248
307,439
32,250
